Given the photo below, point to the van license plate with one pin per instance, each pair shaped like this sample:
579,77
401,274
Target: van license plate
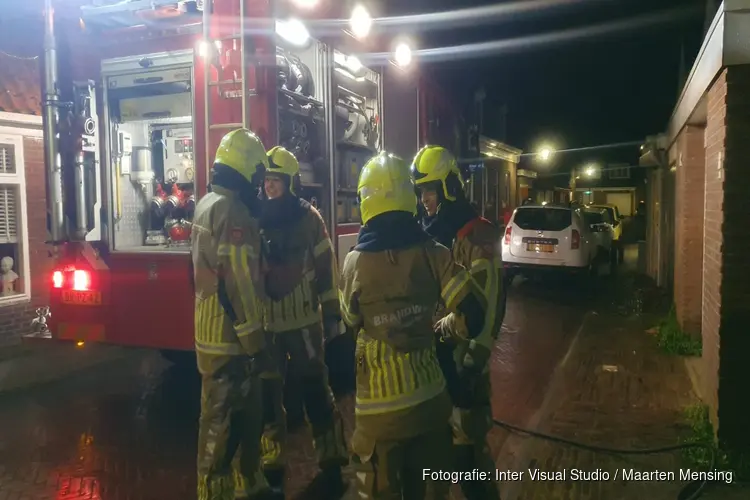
82,298
534,247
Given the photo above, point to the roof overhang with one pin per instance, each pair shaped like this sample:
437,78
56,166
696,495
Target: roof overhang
497,149
725,44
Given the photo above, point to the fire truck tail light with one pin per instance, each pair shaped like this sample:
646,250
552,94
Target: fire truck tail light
81,280
57,279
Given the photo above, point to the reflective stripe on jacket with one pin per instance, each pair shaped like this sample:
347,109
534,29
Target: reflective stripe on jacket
390,298
477,248
314,287
225,243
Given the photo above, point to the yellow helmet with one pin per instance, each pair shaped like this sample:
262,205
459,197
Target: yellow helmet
243,151
283,163
437,164
385,186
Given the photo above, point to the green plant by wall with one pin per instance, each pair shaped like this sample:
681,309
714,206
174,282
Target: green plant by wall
702,431
672,340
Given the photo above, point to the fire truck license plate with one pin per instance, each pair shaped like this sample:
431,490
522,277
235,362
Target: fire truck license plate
87,298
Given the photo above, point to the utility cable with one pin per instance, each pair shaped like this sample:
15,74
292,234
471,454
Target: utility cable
691,491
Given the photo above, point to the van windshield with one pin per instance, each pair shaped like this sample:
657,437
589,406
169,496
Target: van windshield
543,219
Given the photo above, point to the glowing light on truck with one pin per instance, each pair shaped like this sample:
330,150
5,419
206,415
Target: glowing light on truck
293,31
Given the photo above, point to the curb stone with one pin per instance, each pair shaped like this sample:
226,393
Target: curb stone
519,448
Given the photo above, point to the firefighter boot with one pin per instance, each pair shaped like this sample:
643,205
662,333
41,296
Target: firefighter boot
275,479
328,484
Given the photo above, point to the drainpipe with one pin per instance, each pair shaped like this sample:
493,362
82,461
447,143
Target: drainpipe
53,160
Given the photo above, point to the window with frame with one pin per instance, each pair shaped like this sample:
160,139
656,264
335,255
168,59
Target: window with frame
619,173
14,279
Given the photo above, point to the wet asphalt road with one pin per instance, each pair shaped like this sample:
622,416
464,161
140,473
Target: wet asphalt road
127,431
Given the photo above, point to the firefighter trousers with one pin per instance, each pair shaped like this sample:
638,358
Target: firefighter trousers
395,470
302,351
230,429
471,450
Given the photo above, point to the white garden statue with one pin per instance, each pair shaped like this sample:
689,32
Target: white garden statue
8,277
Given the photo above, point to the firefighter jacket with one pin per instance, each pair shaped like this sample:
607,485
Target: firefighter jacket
391,285
301,271
475,245
228,285
477,248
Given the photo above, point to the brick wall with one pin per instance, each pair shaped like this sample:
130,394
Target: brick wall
713,241
726,273
15,319
689,158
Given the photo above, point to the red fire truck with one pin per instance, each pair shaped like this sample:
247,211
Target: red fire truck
137,97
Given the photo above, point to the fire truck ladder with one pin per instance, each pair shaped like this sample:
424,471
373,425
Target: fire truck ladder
212,47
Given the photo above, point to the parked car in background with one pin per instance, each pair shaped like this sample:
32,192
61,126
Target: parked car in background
548,237
600,224
614,218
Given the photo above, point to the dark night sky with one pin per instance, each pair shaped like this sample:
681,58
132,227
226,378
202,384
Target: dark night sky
598,90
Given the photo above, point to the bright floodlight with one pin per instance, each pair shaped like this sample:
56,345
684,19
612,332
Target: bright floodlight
353,64
305,4
545,154
360,22
403,55
590,171
293,31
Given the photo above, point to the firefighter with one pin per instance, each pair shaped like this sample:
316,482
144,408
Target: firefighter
391,284
302,312
475,245
229,337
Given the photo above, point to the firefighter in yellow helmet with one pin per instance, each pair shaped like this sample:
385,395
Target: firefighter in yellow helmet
302,312
475,245
391,284
229,337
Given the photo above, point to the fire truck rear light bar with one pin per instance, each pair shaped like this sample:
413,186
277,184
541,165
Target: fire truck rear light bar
81,280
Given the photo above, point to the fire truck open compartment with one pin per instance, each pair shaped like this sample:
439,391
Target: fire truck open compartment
356,93
302,120
150,155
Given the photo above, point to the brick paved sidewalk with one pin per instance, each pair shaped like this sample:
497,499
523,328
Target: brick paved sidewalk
613,389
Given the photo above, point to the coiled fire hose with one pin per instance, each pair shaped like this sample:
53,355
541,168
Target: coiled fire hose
691,491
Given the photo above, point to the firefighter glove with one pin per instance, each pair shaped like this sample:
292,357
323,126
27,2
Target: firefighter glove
251,336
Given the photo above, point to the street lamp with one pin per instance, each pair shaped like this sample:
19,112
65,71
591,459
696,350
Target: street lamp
545,154
360,21
402,54
590,171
